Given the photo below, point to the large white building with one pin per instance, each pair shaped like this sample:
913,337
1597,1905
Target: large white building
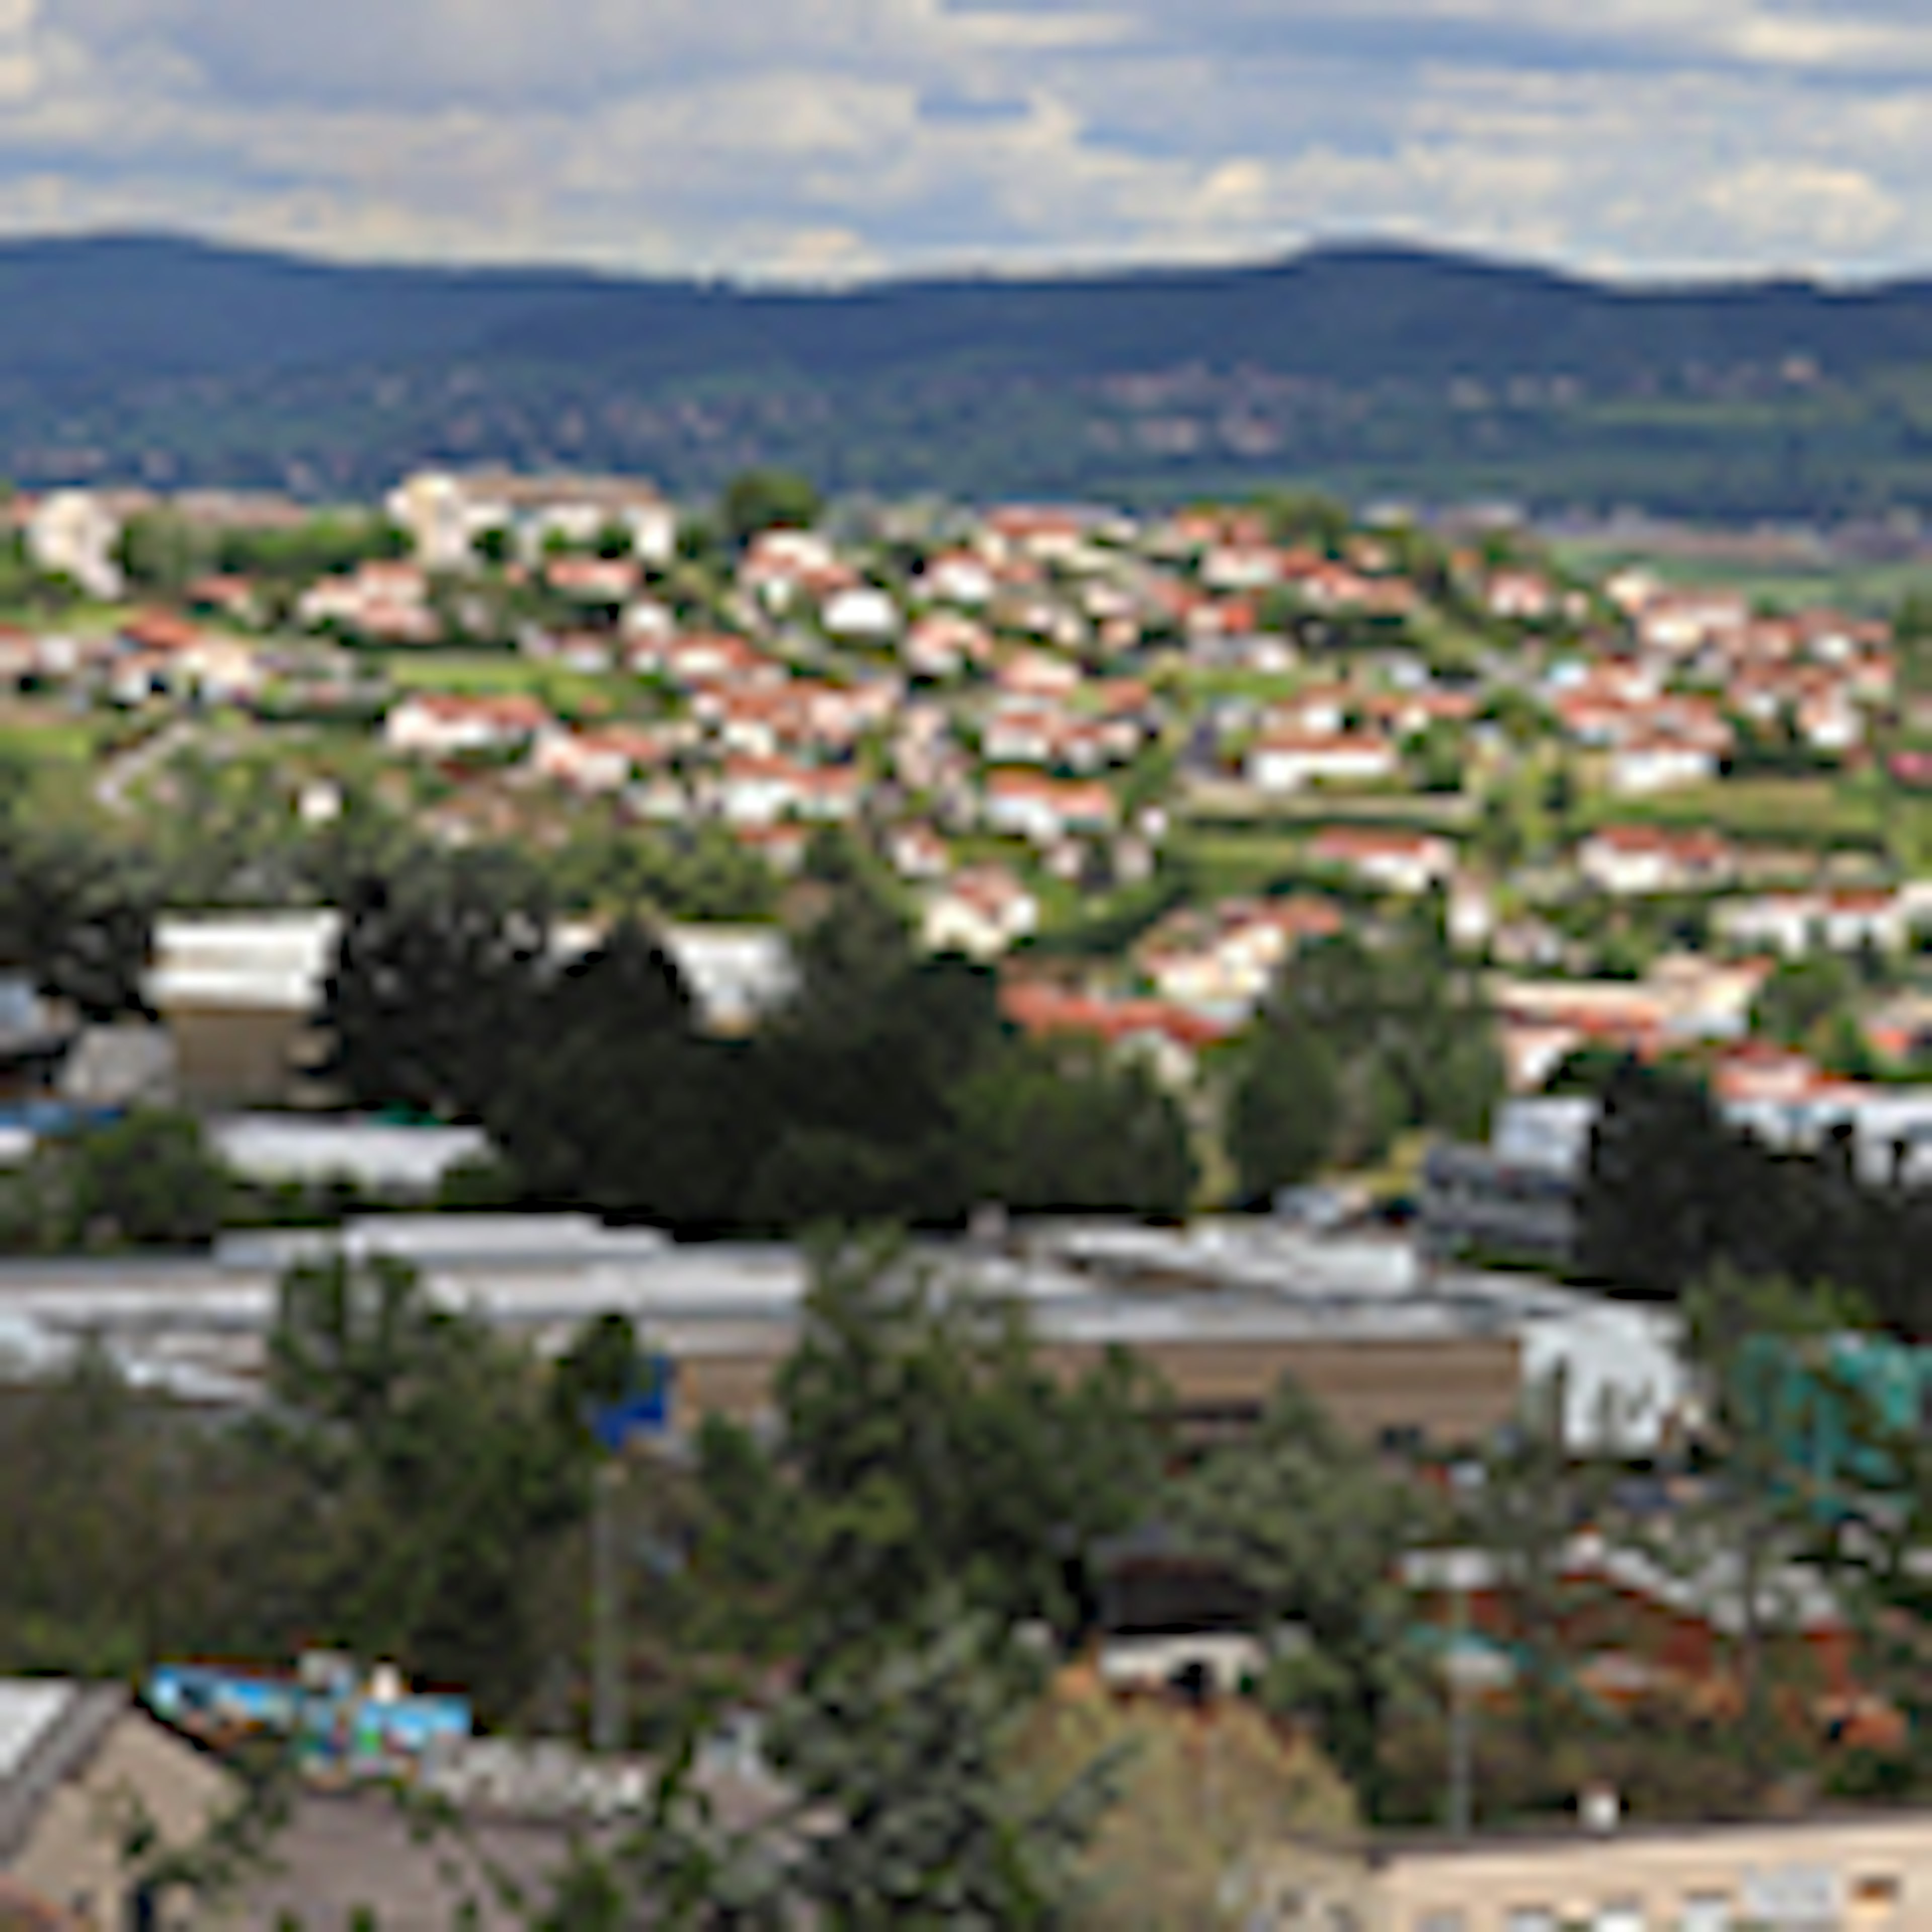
445,511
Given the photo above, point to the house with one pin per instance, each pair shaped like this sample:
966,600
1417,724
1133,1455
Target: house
1843,920
709,657
1635,860
955,577
832,794
1519,596
1038,674
1395,861
1043,809
1319,710
1676,622
445,512
1643,764
983,912
1224,959
1023,734
942,644
1171,1038
738,975
1288,760
385,601
238,993
1044,534
604,761
861,614
443,724
78,1764
917,852
1241,567
612,581
751,790
75,533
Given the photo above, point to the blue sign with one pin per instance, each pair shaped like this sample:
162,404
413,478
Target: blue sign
645,1411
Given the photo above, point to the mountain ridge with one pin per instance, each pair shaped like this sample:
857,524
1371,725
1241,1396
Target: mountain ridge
1356,364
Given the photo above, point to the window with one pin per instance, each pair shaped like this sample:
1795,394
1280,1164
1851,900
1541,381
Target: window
1530,1918
1621,1916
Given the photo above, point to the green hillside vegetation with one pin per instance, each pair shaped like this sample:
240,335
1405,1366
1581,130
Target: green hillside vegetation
1368,372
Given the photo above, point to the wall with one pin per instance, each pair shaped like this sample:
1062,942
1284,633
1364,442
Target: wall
71,1855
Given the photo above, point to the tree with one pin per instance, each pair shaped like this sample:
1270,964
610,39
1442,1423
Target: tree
1205,1808
929,1448
627,986
1068,1126
1405,1030
1531,1498
148,1179
1762,1350
900,1800
161,550
439,1473
909,1757
1800,995
1281,1114
437,979
79,916
861,1073
1646,1222
1309,1521
617,1104
767,499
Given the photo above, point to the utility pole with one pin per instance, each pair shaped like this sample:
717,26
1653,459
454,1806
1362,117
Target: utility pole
607,1728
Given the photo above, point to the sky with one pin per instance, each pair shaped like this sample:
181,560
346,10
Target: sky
829,140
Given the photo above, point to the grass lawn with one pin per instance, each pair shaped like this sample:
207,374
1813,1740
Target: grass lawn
487,674
1873,589
1227,863
1805,811
59,749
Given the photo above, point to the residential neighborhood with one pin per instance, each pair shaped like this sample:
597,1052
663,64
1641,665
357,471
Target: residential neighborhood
1040,719
1327,1001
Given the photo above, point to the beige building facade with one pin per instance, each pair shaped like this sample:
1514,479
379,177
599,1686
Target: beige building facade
82,1771
1868,1873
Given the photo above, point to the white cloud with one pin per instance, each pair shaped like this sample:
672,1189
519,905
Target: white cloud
824,138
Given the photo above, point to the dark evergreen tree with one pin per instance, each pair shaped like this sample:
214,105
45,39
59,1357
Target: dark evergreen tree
78,915
438,980
1281,1114
1650,1213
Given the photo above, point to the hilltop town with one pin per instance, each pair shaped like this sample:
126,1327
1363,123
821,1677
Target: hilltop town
1138,762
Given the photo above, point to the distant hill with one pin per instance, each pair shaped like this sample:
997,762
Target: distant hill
1369,371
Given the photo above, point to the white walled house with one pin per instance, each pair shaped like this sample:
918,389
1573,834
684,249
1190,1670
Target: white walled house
983,913
1633,861
1397,862
1642,765
1285,761
449,724
73,533
1045,810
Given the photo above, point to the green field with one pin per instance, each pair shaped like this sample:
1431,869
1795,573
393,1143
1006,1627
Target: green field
483,673
1225,863
1802,811
59,751
1866,590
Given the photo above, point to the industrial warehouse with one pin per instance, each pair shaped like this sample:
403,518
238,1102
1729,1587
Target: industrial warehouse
1401,1350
